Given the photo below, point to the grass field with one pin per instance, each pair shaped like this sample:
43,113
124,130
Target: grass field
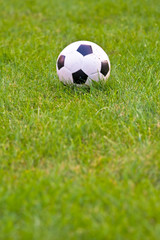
77,163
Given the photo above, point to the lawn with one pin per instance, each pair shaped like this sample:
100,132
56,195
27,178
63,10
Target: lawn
79,163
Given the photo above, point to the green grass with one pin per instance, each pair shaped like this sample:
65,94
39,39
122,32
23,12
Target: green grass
78,163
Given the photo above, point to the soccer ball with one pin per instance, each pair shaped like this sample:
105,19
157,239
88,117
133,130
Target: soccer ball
83,62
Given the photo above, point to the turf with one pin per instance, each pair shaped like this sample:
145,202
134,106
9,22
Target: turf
79,163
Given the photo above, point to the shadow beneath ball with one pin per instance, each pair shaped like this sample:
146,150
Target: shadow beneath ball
76,88
93,88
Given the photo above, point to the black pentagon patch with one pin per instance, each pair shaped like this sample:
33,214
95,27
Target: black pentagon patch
79,77
104,67
85,49
60,62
